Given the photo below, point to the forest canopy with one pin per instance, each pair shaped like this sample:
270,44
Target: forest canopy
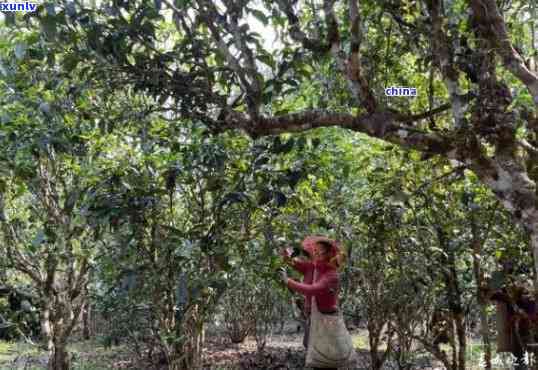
163,146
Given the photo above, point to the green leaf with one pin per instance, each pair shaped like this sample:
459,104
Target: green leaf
267,59
293,177
70,62
20,50
279,148
182,291
9,19
497,280
182,3
264,197
51,9
70,9
301,143
235,197
48,25
400,196
44,107
260,16
38,239
292,82
280,198
5,70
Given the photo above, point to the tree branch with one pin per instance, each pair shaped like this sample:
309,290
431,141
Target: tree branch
256,78
432,112
427,114
442,55
382,125
359,84
314,45
15,257
456,170
211,17
488,16
528,146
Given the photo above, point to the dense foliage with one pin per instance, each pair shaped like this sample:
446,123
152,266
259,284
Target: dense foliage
156,155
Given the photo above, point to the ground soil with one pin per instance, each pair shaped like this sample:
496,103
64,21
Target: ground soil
282,351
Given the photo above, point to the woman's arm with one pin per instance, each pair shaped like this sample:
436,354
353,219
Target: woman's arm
301,266
321,286
295,263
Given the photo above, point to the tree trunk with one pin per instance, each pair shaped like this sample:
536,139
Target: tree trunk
457,333
462,340
58,318
187,354
374,333
534,248
86,314
480,297
86,332
58,356
486,339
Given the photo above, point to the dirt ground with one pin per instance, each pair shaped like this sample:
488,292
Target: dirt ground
282,351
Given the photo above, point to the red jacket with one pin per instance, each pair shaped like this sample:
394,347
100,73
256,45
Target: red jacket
307,269
324,289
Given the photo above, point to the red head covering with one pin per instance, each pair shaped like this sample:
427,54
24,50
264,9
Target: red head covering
310,243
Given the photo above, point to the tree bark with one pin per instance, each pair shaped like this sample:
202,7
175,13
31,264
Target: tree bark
493,27
61,309
86,314
457,335
486,339
58,356
462,340
481,299
374,333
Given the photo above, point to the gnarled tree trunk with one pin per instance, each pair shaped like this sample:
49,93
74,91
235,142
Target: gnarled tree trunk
478,273
62,300
58,356
55,342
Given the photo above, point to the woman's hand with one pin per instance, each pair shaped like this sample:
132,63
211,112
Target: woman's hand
285,253
283,276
